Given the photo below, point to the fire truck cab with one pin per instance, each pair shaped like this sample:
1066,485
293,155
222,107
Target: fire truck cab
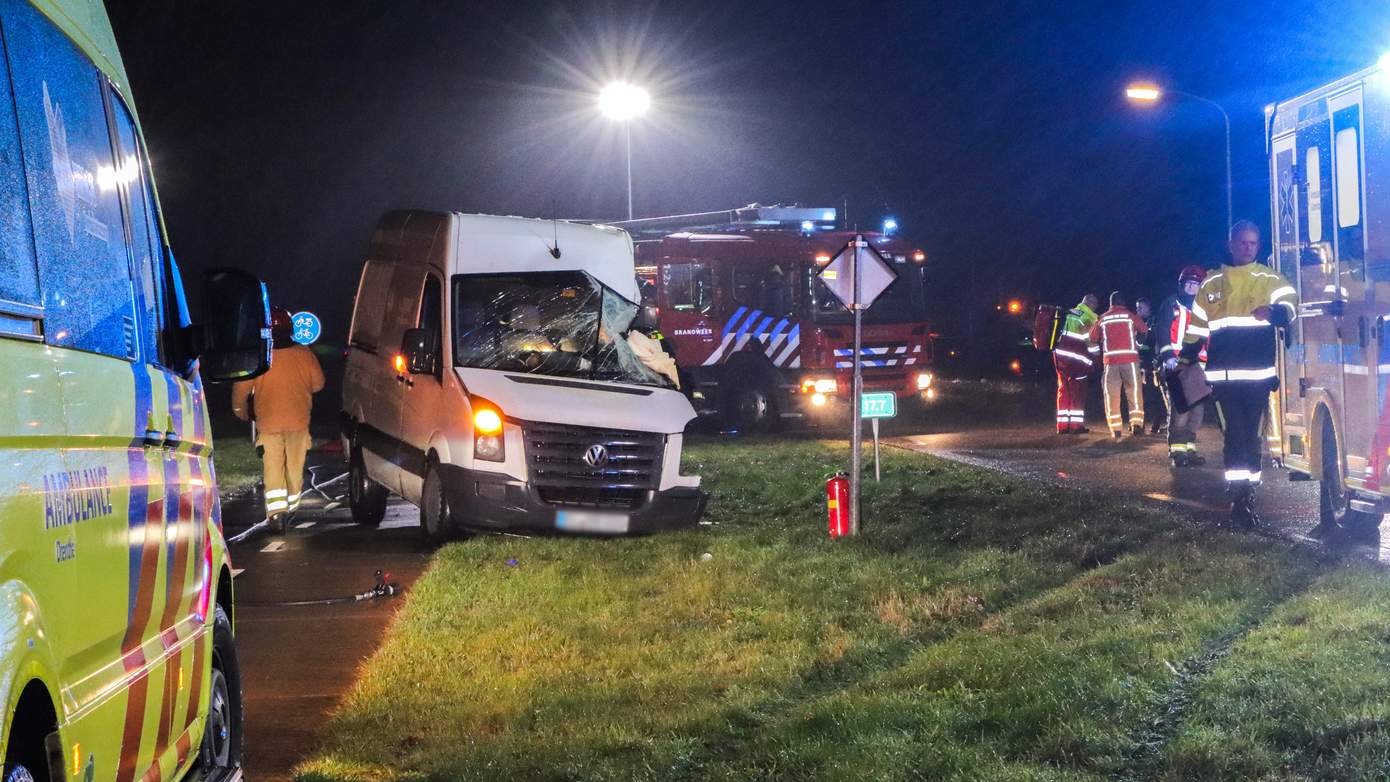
1329,155
757,337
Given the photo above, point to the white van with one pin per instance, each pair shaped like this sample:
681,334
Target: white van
489,381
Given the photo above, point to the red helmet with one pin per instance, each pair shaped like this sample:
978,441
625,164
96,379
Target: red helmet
1192,273
280,319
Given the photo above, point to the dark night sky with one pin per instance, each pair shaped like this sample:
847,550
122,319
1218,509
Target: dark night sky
994,130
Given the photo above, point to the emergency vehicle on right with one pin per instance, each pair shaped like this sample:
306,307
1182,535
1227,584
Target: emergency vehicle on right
1329,157
757,336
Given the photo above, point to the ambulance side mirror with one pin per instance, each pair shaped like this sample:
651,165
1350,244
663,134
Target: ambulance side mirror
233,342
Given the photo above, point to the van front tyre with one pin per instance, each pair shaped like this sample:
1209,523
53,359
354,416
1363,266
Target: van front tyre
436,517
17,773
222,732
366,497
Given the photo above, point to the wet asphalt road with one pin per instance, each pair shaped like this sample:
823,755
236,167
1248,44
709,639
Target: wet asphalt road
298,662
1138,467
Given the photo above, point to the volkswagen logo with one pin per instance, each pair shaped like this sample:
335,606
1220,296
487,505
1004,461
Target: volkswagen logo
596,456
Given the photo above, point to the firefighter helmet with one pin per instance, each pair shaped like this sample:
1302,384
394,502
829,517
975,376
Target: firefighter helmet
280,318
1193,273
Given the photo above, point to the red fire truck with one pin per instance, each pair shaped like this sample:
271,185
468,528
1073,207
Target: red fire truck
756,335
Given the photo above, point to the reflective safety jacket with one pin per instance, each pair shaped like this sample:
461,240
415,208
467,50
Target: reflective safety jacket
1117,332
1174,316
1241,346
1075,352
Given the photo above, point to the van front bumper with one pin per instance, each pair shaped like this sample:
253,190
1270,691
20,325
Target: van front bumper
486,500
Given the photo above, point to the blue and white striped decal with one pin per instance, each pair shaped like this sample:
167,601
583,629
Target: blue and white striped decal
780,337
878,356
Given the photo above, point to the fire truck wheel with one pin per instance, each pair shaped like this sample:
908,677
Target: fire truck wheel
750,405
366,497
1334,501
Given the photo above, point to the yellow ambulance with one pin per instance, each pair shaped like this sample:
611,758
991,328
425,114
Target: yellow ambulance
116,653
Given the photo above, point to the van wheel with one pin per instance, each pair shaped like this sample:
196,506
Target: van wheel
436,517
222,733
1334,501
750,404
17,773
366,496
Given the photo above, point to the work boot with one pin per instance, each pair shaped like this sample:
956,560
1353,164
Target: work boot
276,523
1195,459
1178,459
1243,514
1116,434
1081,430
1137,430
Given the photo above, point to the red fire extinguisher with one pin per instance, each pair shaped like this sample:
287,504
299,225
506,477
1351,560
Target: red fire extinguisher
837,504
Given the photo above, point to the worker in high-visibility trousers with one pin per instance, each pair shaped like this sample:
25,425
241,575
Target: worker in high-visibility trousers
1074,356
1118,332
280,402
1239,307
1175,315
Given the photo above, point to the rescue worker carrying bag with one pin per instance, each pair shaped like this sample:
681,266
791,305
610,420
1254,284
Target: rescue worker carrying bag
1187,386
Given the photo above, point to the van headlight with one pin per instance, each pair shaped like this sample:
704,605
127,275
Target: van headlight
923,381
487,433
822,385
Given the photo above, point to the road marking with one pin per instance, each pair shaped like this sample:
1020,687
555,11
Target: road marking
236,571
273,546
305,524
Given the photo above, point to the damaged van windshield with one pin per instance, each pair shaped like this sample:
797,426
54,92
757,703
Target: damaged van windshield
564,324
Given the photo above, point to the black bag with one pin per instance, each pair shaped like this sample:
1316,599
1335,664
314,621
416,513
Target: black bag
1187,387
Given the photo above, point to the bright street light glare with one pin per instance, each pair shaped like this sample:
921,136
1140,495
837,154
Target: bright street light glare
622,101
1143,92
1384,62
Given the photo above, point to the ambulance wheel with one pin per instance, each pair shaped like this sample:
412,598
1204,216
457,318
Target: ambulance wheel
436,517
1334,501
750,404
366,497
222,732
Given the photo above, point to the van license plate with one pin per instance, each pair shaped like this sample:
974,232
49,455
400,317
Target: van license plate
591,521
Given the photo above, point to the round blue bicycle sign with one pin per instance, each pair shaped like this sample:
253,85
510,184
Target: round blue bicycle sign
307,327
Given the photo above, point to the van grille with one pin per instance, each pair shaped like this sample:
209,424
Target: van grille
555,461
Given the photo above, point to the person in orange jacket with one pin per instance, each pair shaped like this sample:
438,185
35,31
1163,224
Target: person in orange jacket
280,402
1118,332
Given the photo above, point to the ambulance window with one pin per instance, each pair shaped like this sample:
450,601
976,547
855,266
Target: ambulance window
689,287
1313,174
145,245
84,270
1348,179
19,273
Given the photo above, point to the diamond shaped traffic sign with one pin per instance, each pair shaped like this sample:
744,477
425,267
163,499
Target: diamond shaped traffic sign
875,274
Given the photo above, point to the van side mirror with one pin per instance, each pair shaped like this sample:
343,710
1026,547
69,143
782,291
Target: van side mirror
233,342
421,350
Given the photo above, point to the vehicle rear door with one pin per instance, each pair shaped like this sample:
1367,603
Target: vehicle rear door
1357,326
1322,299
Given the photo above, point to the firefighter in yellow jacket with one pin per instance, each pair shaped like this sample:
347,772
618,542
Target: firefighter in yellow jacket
280,402
1240,306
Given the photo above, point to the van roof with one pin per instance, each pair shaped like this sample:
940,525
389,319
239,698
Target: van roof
493,243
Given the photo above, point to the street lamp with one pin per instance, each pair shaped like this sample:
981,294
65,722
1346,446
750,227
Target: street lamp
1151,94
625,102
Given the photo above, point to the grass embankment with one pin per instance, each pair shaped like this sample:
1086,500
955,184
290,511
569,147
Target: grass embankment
238,464
980,628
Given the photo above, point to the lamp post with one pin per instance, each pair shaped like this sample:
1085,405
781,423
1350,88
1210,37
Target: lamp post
625,102
1150,94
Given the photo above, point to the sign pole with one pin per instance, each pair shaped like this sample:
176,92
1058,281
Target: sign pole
874,423
856,435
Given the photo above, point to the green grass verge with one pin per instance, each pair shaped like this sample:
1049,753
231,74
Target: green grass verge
238,465
980,628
